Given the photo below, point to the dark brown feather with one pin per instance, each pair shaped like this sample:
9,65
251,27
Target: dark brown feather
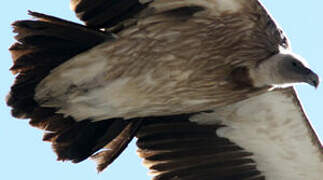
240,77
112,150
105,13
42,45
174,148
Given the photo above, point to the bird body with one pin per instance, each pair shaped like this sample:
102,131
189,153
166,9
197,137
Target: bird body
161,78
202,80
167,64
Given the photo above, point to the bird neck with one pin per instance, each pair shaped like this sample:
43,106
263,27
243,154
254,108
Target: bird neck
267,73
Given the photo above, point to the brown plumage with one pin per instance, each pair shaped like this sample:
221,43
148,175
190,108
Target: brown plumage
184,69
42,45
177,72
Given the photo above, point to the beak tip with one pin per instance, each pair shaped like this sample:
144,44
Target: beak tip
316,81
316,85
313,79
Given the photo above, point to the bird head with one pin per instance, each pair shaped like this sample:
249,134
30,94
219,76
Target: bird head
293,69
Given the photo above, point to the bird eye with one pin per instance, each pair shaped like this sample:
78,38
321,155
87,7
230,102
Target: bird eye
294,64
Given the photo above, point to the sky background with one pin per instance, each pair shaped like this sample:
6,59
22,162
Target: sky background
24,156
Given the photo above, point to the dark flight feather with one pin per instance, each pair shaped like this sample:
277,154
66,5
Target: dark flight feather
106,14
44,44
174,148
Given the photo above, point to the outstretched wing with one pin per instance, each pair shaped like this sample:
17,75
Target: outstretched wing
264,137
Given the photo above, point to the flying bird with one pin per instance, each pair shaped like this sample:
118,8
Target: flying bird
205,85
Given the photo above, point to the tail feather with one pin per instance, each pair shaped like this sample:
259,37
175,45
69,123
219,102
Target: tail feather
71,144
112,150
43,44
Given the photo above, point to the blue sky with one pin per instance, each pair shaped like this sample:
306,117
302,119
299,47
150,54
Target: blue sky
25,156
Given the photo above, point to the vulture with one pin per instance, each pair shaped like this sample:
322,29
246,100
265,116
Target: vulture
206,87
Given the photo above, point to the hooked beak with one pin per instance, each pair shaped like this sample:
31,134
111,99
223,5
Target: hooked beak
313,79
